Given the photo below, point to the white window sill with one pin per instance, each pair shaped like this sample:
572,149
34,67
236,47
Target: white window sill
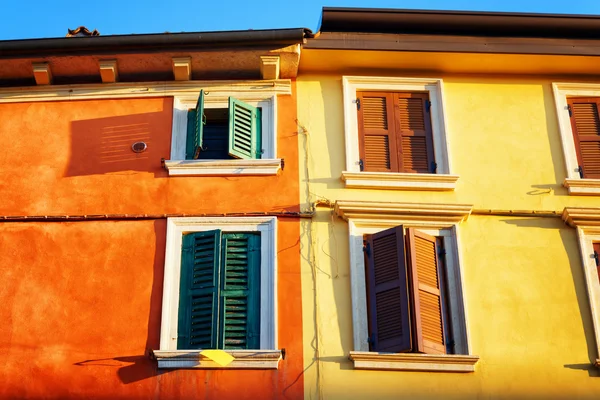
243,359
223,167
413,362
399,181
584,187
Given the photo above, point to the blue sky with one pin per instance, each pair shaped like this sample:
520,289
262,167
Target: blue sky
24,19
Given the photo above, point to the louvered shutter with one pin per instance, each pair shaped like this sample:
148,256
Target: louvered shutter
585,124
387,293
198,324
426,290
195,128
414,133
376,131
240,291
245,137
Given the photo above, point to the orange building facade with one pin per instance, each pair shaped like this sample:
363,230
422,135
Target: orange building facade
91,231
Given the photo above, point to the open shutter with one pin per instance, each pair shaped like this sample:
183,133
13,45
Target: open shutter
427,309
376,132
198,326
585,124
597,257
240,293
387,293
414,138
195,127
245,138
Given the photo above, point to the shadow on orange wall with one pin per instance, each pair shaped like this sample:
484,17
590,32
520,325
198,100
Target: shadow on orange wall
134,368
104,145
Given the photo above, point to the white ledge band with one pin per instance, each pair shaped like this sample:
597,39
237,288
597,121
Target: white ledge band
223,167
399,181
583,187
243,359
413,362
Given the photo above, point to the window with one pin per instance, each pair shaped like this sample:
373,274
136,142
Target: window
395,134
406,283
577,107
586,134
219,292
587,223
237,133
406,290
231,133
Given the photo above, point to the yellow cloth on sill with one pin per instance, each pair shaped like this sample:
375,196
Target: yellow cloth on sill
219,356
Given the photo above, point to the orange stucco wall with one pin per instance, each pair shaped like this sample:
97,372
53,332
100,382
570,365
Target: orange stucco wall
74,157
81,301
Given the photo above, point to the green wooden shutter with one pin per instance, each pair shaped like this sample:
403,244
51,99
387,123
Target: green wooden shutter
195,128
244,130
240,291
198,325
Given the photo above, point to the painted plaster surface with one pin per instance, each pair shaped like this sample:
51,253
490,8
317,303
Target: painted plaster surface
527,310
81,301
75,158
81,305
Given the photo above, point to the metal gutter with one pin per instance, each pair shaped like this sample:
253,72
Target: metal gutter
469,23
152,42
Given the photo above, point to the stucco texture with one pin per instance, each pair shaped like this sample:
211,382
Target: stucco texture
527,312
82,301
81,305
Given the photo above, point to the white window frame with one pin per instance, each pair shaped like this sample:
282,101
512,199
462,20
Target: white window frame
353,177
368,217
587,236
267,165
574,184
176,227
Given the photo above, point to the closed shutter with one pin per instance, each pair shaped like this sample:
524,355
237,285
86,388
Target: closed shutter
195,128
240,292
245,137
198,323
376,130
387,293
414,133
585,124
427,308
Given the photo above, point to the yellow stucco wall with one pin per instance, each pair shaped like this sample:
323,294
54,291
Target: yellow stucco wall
527,309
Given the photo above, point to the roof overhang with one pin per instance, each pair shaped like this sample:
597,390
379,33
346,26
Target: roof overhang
155,57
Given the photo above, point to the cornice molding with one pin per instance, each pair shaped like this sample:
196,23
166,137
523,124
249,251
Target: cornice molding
578,217
422,212
186,89
243,359
413,362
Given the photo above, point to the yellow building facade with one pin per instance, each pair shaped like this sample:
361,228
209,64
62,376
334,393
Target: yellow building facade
517,216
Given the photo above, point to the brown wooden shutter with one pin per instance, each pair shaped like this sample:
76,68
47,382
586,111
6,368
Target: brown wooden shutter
376,135
597,257
387,292
585,124
414,133
427,308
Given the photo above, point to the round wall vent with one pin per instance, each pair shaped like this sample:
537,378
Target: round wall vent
139,147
